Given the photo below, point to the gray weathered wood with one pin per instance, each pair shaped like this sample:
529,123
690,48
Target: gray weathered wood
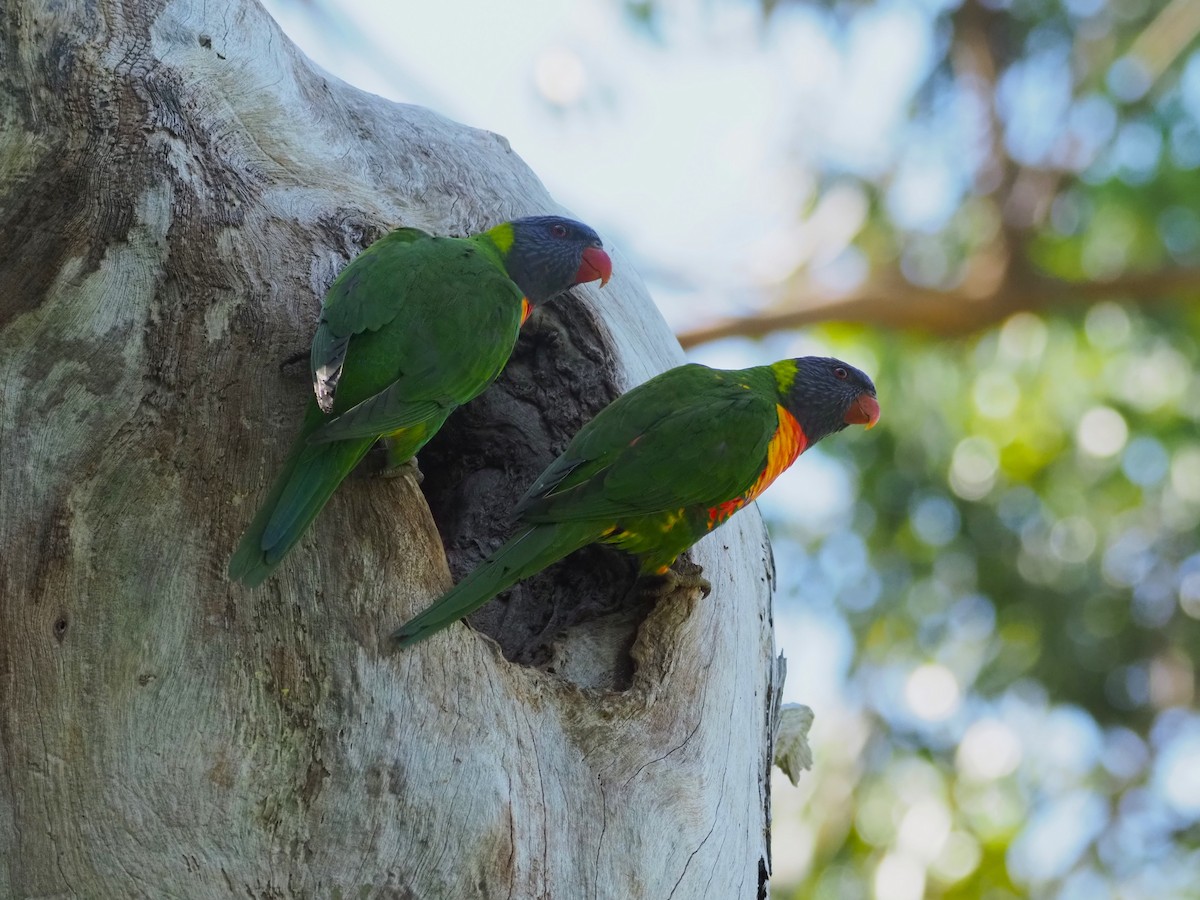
178,185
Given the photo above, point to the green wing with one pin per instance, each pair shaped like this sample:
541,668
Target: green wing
353,306
691,436
413,327
379,371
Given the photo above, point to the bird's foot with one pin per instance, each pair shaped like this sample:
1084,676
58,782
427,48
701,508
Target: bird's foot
397,460
681,576
408,466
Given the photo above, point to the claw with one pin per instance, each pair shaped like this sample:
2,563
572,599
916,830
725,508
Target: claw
682,576
399,470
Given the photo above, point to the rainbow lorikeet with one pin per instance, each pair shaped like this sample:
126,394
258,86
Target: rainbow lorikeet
662,466
414,327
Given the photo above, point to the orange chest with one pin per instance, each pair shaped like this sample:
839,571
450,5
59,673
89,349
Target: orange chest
526,309
788,442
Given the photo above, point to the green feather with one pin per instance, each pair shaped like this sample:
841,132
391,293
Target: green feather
660,467
625,479
655,450
310,475
529,551
410,330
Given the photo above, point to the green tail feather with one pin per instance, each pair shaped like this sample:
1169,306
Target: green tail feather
310,475
527,553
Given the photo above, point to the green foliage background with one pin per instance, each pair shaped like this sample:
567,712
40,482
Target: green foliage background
1058,585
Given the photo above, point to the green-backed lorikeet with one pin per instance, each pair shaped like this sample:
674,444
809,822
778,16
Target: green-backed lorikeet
662,466
414,327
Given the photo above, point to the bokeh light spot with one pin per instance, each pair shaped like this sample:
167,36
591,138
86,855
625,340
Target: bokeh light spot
1128,687
899,877
1172,680
560,76
1185,473
1023,338
1149,380
959,858
932,692
1102,432
1125,754
1129,558
1189,594
973,468
1178,775
989,750
924,829
935,520
1108,242
996,394
1084,9
1145,462
874,819
1179,227
1128,78
1137,150
994,810
1073,540
1056,835
1107,326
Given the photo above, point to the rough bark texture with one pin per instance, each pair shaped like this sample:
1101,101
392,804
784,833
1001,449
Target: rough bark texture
178,186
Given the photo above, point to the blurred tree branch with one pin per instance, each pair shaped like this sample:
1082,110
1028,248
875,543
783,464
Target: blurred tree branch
1166,37
902,306
997,278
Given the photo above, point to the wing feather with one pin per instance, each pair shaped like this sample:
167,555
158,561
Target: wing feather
378,370
352,304
692,436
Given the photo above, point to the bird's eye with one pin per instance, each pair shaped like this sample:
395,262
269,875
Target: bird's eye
559,230
841,373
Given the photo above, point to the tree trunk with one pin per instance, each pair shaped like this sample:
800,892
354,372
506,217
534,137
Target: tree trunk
178,186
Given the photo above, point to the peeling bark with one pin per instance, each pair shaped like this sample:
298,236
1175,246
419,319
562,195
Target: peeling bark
178,186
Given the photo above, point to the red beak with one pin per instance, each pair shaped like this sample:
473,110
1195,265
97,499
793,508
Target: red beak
595,265
863,411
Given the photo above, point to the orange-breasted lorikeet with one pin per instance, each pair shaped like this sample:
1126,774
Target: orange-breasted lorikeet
662,466
414,327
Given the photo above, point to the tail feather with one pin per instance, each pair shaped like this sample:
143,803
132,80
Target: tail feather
527,553
310,475
319,470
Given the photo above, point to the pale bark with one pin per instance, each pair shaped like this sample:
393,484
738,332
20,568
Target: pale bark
178,185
